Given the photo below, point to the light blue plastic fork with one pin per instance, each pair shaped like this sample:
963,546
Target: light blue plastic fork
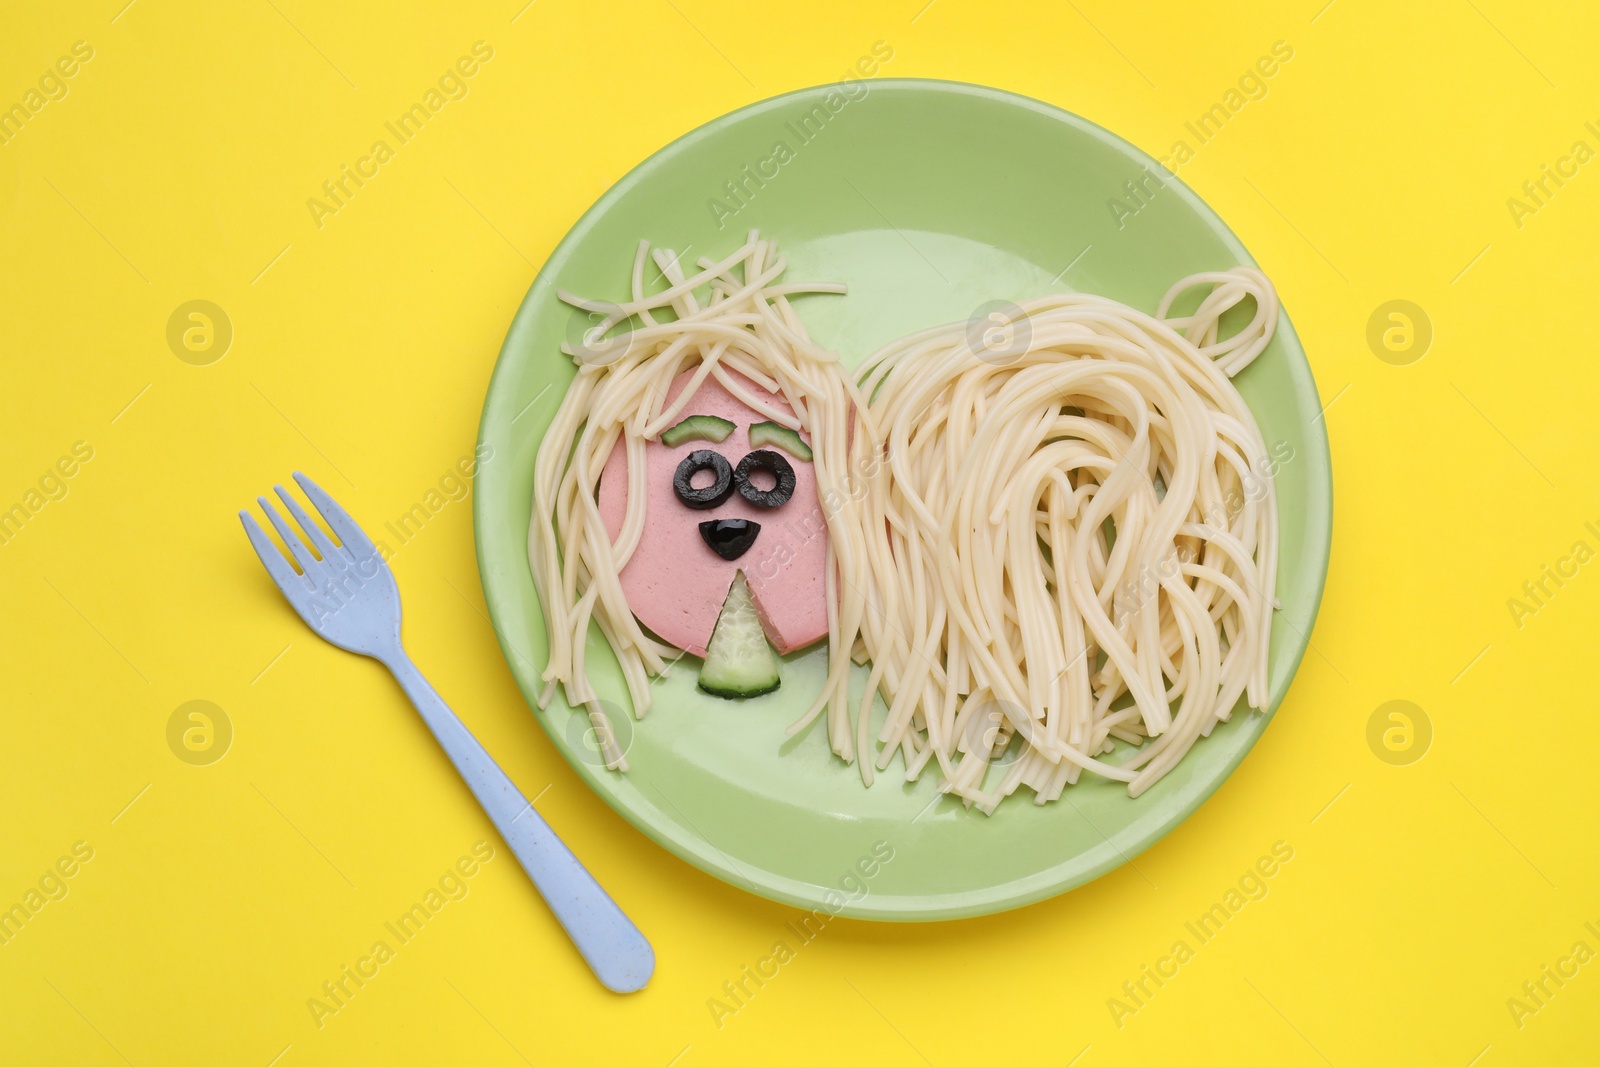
349,597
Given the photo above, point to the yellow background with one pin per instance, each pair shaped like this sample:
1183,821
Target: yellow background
1378,167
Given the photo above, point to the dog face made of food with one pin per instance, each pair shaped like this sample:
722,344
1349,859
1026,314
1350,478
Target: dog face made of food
707,517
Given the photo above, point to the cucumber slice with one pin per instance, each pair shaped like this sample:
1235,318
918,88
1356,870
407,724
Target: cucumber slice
763,434
739,662
697,428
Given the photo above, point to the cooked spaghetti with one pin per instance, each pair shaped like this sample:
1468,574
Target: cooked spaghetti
1081,540
1038,548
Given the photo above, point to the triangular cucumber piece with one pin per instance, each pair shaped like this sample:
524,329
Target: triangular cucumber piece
739,662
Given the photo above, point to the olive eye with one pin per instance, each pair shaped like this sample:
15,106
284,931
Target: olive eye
721,487
763,459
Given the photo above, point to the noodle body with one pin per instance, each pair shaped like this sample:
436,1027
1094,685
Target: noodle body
1079,540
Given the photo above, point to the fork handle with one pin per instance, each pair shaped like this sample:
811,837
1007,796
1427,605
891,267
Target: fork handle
613,947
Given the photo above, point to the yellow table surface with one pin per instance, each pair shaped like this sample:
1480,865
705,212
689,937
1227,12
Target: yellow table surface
209,902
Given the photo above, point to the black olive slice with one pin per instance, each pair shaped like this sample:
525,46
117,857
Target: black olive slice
730,538
782,474
721,487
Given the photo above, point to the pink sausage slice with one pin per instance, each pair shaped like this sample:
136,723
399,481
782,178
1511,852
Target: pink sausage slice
675,583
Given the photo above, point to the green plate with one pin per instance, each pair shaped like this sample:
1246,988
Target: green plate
929,199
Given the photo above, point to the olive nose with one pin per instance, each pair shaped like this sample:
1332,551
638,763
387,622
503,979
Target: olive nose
730,538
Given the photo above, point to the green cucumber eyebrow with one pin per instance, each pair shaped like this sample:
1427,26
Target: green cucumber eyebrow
771,433
698,428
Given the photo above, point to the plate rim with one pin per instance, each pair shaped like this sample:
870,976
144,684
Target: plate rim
1000,897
